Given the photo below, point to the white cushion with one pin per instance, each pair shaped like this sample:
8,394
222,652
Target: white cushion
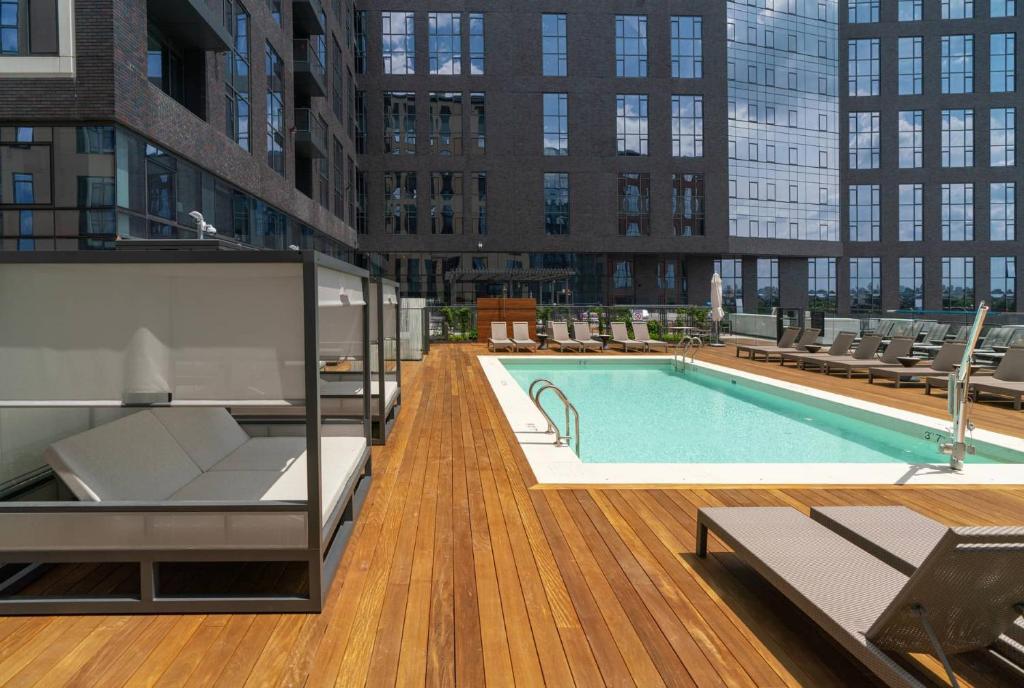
131,459
206,434
264,454
339,471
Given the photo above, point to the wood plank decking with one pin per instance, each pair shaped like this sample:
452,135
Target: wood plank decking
461,571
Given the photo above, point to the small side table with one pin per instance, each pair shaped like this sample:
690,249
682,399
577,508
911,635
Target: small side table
604,340
543,341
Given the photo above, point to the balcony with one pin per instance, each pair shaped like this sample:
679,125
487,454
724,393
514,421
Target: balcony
190,24
306,17
310,134
310,76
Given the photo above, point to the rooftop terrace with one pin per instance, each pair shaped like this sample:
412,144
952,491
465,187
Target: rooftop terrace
462,570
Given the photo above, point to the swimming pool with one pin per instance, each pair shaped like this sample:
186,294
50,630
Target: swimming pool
640,410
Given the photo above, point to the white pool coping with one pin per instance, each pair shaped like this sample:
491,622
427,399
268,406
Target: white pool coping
560,465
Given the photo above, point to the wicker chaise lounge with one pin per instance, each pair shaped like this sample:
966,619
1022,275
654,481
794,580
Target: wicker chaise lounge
964,596
897,349
786,341
944,363
840,347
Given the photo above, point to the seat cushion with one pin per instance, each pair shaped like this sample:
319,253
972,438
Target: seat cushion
340,464
206,434
133,458
264,454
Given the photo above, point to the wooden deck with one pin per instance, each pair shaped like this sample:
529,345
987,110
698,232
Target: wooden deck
461,571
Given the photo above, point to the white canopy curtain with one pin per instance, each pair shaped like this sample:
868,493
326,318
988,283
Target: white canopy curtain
340,296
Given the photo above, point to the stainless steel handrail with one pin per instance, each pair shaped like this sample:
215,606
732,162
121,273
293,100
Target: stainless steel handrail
570,412
688,345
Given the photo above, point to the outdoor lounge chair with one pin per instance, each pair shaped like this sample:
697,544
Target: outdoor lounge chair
898,348
560,337
786,341
1006,381
808,336
903,539
581,334
499,337
966,593
935,344
643,334
840,347
620,336
943,364
866,350
521,336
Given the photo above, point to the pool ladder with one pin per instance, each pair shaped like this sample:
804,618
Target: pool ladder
689,346
538,387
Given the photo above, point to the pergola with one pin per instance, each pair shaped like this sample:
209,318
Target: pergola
510,276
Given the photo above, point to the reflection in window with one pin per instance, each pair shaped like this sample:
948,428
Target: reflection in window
622,274
665,274
1003,284
957,64
911,223
556,203
1003,211
1003,137
1003,8
399,123
24,188
398,36
910,66
1002,63
556,124
821,284
865,213
631,45
911,135
958,283
94,140
767,284
445,42
863,66
236,75
631,124
865,292
478,120
688,204
862,11
687,48
476,43
400,202
957,138
634,203
958,212
446,203
359,45
554,45
687,126
10,20
95,192
478,203
911,286
731,272
910,10
446,123
275,110
864,140
957,9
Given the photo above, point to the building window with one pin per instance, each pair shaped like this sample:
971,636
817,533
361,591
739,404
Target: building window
1003,8
862,11
622,274
957,64
165,67
1003,283
910,65
236,76
911,138
478,120
554,45
821,284
631,45
275,10
275,110
731,272
446,203
1002,63
556,203
958,283
767,284
687,126
476,43
1003,211
634,203
665,274
958,212
958,138
359,46
1003,137
631,124
688,204
324,175
339,181
478,203
446,123
398,36
863,67
911,224
556,124
687,48
957,9
361,199
865,290
864,140
400,202
28,27
865,213
911,286
909,10
445,42
400,123
337,83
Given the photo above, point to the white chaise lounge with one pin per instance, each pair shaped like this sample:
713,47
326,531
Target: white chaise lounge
201,454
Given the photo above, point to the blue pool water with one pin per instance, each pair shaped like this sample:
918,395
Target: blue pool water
643,412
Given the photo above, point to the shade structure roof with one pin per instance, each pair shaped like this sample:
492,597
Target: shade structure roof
514,275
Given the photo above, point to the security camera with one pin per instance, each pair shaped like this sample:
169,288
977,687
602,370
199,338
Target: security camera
210,229
198,217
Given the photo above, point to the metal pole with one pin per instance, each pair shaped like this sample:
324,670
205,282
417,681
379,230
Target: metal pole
958,390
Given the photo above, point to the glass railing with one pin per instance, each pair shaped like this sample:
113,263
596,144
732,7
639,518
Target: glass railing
307,58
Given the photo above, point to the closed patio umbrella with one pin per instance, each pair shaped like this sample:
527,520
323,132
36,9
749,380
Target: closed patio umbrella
717,312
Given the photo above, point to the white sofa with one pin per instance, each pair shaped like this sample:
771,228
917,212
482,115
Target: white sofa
200,454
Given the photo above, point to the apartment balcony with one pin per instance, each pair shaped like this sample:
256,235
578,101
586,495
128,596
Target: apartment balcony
307,17
310,134
310,75
190,24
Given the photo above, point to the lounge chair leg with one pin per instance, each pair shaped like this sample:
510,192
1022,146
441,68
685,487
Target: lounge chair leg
919,611
702,540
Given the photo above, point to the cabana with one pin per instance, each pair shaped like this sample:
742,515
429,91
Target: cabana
168,480
342,386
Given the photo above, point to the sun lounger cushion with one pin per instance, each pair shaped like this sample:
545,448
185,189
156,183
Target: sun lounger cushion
206,434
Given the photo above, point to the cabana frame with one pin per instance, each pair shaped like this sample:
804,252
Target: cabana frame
324,539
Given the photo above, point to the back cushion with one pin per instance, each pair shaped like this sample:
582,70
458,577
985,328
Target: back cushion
206,434
132,458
